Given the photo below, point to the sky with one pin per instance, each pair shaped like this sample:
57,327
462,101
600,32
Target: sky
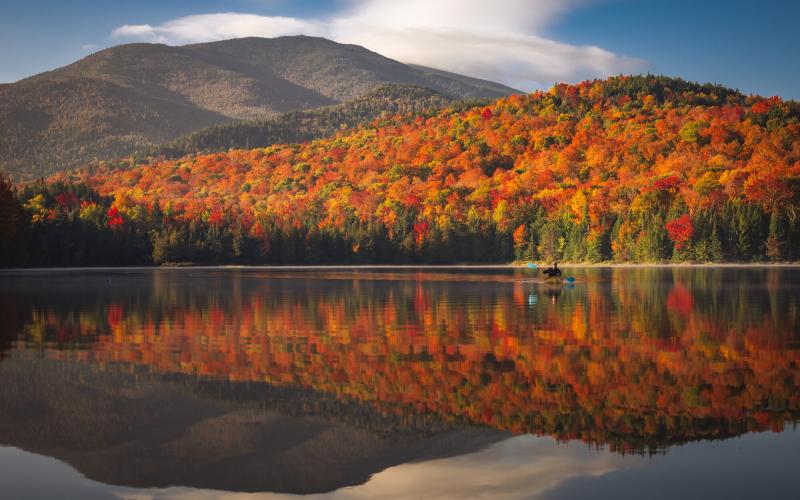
528,44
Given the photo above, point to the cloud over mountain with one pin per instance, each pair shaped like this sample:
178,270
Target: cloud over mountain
501,40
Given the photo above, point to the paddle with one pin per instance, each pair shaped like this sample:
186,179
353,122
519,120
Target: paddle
568,279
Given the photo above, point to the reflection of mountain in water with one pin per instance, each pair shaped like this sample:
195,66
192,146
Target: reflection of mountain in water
635,358
140,430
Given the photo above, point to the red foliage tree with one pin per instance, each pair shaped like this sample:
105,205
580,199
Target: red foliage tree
520,236
680,231
67,202
115,219
668,183
421,230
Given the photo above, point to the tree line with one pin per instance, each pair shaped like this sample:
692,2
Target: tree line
62,224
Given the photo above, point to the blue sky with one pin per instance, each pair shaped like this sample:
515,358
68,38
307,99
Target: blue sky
750,45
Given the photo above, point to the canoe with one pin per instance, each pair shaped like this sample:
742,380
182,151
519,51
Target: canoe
558,281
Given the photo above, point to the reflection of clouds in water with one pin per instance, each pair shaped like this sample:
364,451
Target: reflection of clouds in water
524,466
519,467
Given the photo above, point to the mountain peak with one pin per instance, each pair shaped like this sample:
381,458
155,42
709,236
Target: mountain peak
123,98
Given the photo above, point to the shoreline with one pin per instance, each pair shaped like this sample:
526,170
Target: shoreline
743,265
674,264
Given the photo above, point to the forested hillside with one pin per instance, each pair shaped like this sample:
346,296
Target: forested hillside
125,98
301,126
637,169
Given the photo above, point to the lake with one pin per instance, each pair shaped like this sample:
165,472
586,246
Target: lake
655,382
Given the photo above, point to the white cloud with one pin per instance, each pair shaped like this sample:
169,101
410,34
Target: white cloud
88,46
210,27
500,40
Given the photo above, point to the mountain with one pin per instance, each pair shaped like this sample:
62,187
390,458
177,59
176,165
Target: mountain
301,126
134,96
644,169
455,84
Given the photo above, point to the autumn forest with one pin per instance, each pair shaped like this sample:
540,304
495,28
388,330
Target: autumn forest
628,169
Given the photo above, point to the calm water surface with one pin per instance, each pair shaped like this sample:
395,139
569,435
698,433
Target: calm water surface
400,383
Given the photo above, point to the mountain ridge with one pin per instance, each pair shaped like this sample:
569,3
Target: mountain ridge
133,96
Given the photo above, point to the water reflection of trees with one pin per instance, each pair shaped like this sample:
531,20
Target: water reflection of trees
636,358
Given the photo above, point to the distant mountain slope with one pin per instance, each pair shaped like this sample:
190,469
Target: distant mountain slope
337,71
301,126
455,84
51,125
139,95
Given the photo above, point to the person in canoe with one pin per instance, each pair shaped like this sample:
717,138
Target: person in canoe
553,273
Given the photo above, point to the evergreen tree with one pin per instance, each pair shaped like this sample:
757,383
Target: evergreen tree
777,237
14,227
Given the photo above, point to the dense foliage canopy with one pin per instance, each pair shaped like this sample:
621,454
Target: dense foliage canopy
627,169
